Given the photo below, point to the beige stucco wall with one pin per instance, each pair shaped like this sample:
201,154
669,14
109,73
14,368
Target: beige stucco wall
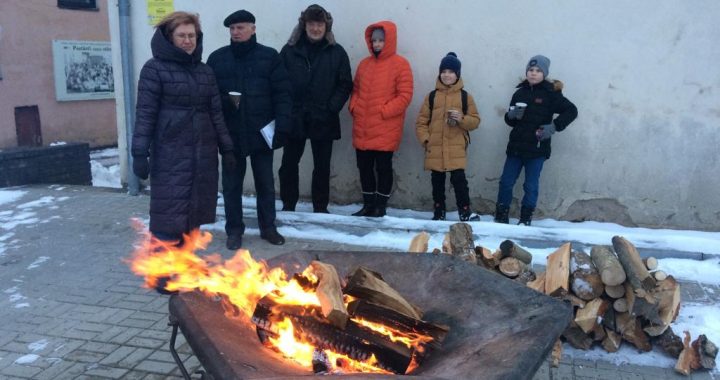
643,75
27,29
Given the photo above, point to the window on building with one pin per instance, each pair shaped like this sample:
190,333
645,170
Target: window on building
90,5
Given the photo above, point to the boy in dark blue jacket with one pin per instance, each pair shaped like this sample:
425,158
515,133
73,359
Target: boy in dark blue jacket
532,108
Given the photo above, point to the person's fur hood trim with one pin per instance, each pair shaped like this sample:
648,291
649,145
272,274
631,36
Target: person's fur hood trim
313,13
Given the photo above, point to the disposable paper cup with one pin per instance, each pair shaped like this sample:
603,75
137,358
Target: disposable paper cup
520,105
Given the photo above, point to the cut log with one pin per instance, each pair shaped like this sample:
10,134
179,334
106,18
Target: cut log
641,303
587,317
650,262
609,320
620,305
538,284
526,275
631,330
598,333
707,351
659,275
669,342
577,338
446,244
511,267
615,291
557,274
556,353
585,281
688,360
461,242
369,285
630,260
329,292
608,265
572,299
612,341
419,243
485,258
668,294
511,249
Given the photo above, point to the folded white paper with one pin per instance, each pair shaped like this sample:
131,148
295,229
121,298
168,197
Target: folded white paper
268,132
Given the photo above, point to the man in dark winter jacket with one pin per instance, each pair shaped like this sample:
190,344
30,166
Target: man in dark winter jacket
255,72
319,70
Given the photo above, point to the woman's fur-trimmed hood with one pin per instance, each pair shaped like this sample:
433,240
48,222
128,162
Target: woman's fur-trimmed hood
313,13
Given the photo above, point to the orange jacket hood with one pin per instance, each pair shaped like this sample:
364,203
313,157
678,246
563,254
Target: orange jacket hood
390,30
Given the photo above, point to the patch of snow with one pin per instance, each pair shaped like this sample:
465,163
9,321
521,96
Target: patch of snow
44,201
37,262
8,196
38,345
105,177
22,305
27,359
58,143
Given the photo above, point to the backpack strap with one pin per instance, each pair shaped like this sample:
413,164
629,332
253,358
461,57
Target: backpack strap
431,103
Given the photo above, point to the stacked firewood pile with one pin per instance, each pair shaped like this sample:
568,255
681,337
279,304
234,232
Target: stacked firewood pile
616,295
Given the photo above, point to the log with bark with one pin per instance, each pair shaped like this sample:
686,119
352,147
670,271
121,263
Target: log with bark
512,249
608,265
485,258
577,338
631,330
688,360
669,342
585,280
630,260
369,285
329,292
511,267
620,305
615,291
557,274
642,303
461,242
667,293
707,351
612,341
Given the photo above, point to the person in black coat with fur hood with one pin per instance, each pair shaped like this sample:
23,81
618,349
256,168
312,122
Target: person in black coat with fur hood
178,130
321,79
257,74
531,117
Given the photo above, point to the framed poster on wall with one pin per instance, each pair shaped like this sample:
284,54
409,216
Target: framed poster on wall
83,70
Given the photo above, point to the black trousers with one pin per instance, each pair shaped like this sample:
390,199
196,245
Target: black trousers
290,177
459,183
370,163
262,169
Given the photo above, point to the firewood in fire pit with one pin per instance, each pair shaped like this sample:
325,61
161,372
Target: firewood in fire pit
329,293
369,285
608,265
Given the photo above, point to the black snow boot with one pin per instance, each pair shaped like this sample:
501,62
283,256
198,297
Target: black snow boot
439,213
526,214
465,213
380,206
502,214
368,205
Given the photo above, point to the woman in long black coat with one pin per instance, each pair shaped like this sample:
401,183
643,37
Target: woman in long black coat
178,130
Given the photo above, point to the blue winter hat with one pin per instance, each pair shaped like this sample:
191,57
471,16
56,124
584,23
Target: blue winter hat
540,61
451,62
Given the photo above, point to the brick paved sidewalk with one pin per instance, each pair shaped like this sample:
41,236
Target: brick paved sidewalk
71,309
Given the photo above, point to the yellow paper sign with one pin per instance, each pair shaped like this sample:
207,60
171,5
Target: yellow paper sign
157,9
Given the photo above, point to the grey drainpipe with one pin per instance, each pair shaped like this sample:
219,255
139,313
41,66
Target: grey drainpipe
129,93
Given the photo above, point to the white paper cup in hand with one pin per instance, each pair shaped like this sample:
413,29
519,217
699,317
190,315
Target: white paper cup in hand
520,105
235,97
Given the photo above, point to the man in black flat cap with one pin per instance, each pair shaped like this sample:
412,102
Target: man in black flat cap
319,70
257,73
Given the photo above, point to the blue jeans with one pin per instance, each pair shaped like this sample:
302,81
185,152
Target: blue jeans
510,174
262,169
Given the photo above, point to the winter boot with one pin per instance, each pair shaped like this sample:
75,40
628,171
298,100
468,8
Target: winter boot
368,205
465,213
502,214
380,206
526,214
439,213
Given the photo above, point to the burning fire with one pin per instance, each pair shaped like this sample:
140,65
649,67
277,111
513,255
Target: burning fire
242,281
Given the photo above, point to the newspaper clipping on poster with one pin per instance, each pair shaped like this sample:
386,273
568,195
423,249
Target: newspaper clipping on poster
83,70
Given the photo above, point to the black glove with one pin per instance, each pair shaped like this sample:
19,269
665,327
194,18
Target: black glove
141,167
545,131
229,162
516,113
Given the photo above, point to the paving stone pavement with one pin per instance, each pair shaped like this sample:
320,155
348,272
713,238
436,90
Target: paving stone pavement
71,309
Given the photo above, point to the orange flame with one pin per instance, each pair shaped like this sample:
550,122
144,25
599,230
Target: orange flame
244,281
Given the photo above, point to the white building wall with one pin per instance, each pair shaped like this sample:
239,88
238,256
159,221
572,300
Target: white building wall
643,74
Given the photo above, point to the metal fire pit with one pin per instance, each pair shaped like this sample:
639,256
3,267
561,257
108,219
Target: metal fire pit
499,329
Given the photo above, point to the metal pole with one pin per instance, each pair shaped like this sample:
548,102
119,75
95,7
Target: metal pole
129,90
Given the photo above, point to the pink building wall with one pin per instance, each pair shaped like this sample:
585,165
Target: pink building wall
27,29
